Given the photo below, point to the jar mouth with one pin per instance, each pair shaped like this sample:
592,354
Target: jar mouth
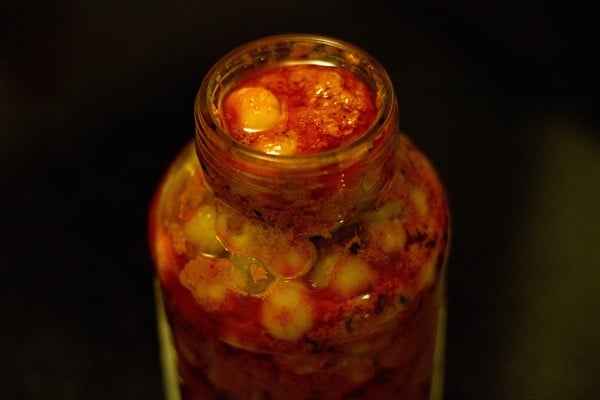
309,193
291,49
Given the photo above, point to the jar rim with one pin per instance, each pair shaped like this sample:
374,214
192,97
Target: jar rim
298,48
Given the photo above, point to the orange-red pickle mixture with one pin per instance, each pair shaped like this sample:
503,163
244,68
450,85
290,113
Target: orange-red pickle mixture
263,312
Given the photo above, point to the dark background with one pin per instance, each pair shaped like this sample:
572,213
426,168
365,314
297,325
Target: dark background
96,100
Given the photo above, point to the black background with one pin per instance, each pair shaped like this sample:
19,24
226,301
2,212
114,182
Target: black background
96,100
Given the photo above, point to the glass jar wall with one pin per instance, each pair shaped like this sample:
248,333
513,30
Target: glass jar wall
314,274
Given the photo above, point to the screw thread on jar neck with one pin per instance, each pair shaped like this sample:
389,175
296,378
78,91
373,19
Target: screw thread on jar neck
308,193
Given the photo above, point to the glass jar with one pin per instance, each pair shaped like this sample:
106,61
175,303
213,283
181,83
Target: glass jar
311,276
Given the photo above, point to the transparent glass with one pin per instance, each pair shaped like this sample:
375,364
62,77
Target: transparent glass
318,276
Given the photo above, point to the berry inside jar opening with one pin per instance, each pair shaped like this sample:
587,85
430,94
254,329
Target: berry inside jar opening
298,109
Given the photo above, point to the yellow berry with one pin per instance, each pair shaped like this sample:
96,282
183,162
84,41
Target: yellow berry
208,280
389,236
351,276
419,199
321,273
296,260
387,212
287,312
241,240
200,231
428,273
257,108
236,234
277,145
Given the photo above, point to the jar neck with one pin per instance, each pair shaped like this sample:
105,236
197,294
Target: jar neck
309,193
